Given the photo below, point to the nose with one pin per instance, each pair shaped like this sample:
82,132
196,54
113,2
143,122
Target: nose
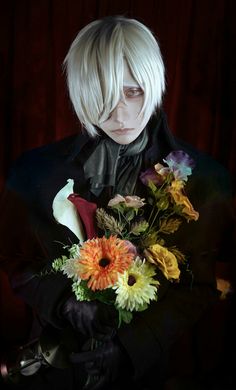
120,112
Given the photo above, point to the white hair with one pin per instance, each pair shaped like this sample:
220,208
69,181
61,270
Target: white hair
94,66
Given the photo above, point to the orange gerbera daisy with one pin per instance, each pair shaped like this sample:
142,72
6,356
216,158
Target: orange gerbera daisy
102,259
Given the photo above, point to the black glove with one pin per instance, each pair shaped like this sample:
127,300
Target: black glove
93,319
107,363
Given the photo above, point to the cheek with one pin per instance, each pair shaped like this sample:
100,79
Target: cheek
106,127
136,107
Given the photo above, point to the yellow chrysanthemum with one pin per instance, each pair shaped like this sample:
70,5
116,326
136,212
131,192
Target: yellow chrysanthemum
164,260
101,260
176,191
136,286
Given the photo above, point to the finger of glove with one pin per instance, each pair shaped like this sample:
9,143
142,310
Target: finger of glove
97,329
89,321
111,359
99,384
84,357
104,333
92,369
85,324
107,314
92,318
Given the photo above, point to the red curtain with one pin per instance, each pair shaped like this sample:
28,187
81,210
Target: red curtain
197,41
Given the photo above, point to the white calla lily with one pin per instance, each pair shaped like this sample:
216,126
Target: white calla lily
65,212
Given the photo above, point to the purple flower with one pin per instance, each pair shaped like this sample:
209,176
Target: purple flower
150,175
180,164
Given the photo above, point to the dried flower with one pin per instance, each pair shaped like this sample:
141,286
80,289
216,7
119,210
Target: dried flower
108,222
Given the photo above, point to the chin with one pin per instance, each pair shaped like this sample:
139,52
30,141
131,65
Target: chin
126,139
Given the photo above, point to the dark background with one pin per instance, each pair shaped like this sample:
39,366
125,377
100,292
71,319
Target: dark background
197,39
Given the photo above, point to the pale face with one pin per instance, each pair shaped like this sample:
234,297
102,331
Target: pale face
124,123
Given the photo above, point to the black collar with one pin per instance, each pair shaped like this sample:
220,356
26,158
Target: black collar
161,142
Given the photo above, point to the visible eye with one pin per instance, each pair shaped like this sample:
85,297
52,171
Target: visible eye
133,92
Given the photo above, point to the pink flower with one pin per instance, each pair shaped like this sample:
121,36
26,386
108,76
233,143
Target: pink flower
116,200
131,248
134,201
128,201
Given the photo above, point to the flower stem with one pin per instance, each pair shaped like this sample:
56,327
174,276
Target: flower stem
155,217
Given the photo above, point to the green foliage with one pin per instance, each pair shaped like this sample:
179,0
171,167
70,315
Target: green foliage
154,190
84,293
169,226
59,263
143,307
124,316
163,203
181,258
139,227
130,214
144,225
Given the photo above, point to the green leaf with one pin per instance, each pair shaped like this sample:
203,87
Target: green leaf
81,291
149,239
84,293
143,307
124,316
152,187
119,208
181,258
58,263
163,203
130,215
170,225
139,227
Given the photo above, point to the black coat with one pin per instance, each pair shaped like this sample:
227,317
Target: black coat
31,239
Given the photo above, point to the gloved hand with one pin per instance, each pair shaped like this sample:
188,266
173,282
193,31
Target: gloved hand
105,364
93,319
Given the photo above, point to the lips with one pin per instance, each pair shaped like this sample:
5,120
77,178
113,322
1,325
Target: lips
122,131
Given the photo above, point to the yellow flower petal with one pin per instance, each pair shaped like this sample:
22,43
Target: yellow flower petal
164,260
180,199
136,286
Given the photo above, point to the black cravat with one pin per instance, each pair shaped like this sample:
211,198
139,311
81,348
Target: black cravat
114,165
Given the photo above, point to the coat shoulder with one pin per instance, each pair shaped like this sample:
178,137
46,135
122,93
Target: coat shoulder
36,162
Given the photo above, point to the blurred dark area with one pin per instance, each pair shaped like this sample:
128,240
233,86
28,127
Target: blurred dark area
197,40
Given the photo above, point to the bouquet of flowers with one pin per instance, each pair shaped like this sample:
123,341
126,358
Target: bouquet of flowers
119,265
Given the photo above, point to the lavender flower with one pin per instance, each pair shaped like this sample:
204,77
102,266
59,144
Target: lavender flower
180,164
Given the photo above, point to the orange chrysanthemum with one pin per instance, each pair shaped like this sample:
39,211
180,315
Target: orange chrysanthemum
102,259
